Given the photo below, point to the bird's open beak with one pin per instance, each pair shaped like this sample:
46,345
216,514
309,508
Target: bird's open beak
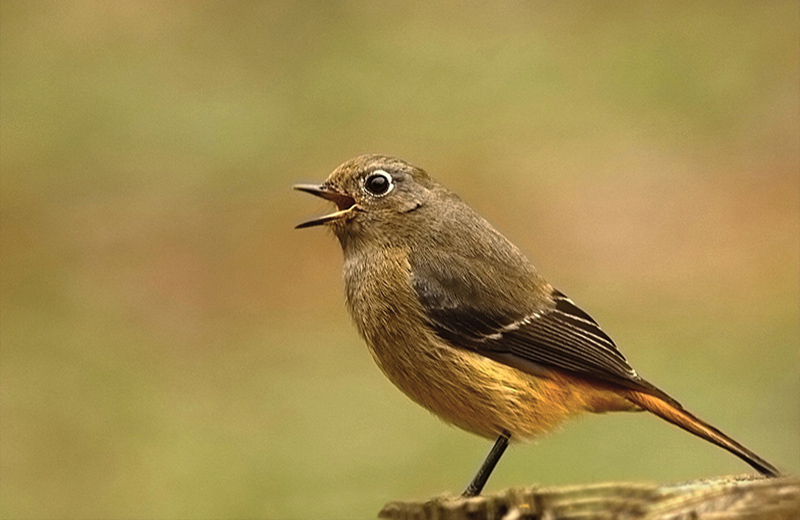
346,204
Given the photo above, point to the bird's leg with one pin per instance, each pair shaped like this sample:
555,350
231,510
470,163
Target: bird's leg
488,465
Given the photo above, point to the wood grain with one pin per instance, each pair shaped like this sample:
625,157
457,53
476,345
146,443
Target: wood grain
725,498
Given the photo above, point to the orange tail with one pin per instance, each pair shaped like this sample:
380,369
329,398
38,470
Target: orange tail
673,412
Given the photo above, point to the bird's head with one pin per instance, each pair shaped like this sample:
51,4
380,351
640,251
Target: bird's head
375,195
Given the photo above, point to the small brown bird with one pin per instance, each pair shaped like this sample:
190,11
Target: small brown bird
461,322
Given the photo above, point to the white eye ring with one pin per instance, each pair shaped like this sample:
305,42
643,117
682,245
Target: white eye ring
378,183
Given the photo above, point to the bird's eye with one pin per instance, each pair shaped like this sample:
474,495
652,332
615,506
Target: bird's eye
379,183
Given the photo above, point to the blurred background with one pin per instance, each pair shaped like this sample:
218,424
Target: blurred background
172,348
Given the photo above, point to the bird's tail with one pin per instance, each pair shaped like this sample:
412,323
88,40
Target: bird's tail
673,412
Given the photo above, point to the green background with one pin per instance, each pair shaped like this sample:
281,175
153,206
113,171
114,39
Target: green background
172,348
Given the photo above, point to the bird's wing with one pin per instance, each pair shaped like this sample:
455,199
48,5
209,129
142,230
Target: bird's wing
549,332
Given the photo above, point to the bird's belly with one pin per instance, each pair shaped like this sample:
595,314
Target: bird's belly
484,396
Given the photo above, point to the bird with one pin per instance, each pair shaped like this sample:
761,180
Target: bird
461,322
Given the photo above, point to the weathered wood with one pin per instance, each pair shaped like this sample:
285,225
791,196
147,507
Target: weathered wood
725,498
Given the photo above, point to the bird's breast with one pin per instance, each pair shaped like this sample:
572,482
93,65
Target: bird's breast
382,304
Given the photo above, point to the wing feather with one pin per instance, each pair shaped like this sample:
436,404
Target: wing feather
552,333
